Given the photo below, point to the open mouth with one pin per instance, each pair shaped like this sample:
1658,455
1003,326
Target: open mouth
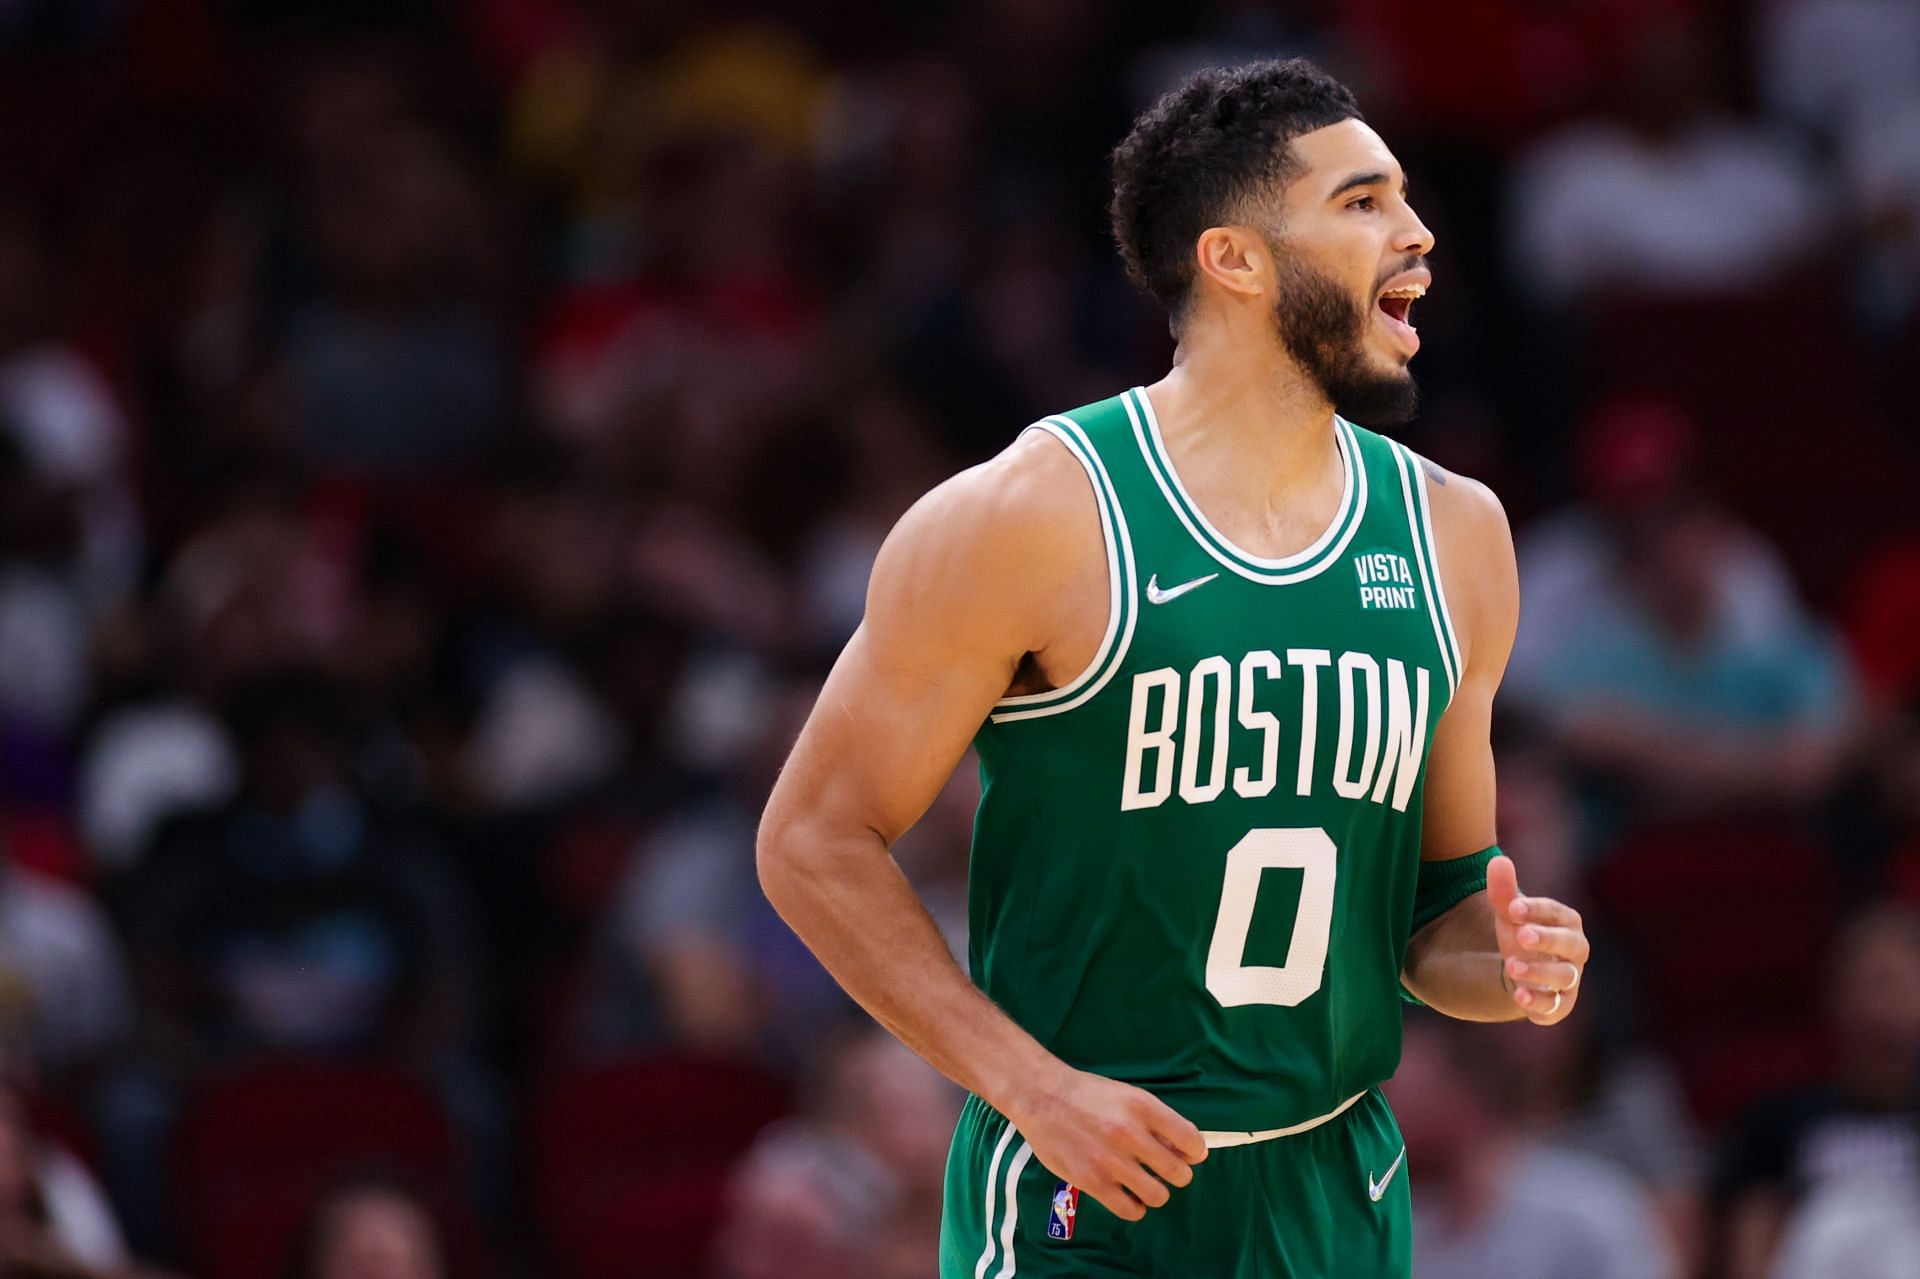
1397,305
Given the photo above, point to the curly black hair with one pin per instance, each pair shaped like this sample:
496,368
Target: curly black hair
1202,149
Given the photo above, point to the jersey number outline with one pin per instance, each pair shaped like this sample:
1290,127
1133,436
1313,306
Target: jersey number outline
1308,849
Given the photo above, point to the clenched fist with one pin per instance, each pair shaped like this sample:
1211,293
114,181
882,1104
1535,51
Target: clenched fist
1116,1142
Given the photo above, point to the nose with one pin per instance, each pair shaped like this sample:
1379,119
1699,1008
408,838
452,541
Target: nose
1414,237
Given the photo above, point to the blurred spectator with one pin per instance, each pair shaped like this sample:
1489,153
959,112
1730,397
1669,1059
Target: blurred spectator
67,436
801,1207
54,1220
1884,812
59,24
1493,1198
690,952
394,362
1662,643
891,458
369,1228
144,764
298,917
44,620
1024,327
854,1187
260,584
538,734
1536,808
1589,1088
1242,32
1493,69
1862,1227
1884,624
59,956
1587,1094
1880,154
1875,815
153,750
540,737
1807,1151
1638,203
1820,63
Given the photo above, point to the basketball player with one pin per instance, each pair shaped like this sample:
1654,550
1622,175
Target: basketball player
1228,658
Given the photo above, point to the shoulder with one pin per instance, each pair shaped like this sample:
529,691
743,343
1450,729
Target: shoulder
1027,500
1024,490
994,544
1465,510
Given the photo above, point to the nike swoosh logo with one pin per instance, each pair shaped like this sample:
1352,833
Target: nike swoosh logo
1157,596
1375,1189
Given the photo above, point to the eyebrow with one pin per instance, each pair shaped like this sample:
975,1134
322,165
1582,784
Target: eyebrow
1364,180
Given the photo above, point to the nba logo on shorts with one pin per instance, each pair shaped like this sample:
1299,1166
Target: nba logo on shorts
1066,1204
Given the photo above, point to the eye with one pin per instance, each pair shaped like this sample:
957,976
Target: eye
1364,202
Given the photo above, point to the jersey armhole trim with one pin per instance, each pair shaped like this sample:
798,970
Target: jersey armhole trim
1413,490
1121,607
1433,555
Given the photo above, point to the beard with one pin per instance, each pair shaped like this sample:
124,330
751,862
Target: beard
1324,329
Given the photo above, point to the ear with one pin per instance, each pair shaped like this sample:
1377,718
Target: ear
1235,258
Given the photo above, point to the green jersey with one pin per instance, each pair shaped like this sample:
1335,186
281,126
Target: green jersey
1194,864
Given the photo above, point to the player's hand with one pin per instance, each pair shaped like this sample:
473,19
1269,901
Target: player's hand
1543,947
1118,1143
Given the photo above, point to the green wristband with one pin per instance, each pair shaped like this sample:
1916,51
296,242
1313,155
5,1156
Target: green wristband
1445,884
1442,886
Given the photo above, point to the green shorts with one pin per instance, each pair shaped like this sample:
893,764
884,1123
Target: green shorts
1329,1202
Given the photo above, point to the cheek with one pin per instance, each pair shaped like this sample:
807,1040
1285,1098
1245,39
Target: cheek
1353,254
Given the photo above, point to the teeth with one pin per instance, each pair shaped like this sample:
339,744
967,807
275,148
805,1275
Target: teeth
1407,291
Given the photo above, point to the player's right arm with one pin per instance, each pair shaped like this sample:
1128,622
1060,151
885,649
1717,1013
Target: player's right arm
992,566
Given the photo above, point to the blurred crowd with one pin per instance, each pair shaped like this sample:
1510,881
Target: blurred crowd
442,445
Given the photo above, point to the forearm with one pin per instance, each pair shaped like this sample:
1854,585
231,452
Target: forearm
847,899
1454,965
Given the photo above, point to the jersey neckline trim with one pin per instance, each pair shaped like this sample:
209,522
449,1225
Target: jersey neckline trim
1121,589
1297,567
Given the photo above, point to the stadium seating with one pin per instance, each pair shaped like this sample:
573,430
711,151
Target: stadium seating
255,1151
1789,452
655,1231
630,1158
1727,924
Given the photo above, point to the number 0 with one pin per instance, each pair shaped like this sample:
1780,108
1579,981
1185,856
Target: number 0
1308,849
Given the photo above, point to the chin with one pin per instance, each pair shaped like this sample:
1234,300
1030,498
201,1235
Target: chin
1391,359
1390,397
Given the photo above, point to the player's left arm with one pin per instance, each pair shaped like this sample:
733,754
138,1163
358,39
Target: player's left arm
1496,954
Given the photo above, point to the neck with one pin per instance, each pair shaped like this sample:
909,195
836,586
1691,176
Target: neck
1252,436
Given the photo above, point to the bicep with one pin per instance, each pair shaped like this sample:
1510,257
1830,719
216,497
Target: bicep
965,587
890,725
